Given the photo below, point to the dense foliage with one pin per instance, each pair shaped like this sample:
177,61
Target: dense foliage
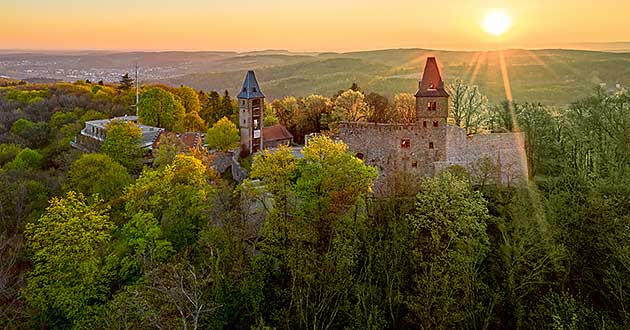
112,241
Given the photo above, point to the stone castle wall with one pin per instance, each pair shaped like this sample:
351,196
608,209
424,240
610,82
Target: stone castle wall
380,145
505,150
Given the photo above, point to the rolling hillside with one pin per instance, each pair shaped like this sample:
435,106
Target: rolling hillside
546,76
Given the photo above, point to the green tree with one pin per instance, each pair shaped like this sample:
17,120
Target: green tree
36,135
502,117
222,136
123,143
68,275
350,106
308,118
189,99
210,111
158,107
404,108
379,108
8,151
526,258
541,131
285,109
227,106
169,146
20,125
178,195
449,230
143,245
26,159
126,83
313,229
194,123
97,174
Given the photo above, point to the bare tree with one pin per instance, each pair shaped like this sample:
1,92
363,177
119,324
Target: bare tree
468,106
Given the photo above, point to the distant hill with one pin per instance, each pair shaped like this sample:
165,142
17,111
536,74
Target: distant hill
549,76
621,46
546,76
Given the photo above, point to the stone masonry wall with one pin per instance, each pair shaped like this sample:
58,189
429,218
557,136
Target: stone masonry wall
506,151
380,145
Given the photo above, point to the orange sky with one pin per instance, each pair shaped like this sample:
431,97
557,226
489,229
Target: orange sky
316,25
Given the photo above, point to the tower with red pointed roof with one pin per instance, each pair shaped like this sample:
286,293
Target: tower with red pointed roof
431,97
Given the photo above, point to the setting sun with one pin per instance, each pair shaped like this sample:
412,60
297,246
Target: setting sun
497,23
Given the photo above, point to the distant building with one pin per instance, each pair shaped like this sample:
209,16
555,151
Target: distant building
431,144
93,134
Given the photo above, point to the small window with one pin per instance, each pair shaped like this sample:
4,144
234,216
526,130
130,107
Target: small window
244,89
436,123
254,89
433,106
405,143
360,156
428,106
431,86
424,124
430,145
414,164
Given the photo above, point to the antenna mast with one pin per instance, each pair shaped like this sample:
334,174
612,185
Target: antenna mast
137,88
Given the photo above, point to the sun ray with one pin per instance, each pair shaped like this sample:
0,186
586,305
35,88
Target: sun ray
508,95
539,61
506,77
480,61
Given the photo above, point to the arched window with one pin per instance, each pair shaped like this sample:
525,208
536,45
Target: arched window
359,155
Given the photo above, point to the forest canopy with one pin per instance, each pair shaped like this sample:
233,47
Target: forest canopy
111,240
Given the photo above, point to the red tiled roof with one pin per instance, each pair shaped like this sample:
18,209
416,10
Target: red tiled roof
190,140
431,84
276,132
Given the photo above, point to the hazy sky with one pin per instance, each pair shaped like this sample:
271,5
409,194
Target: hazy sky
315,25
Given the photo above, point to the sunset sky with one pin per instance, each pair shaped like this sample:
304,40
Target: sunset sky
316,25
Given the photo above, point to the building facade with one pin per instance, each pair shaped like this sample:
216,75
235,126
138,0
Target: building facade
251,102
431,144
93,134
254,136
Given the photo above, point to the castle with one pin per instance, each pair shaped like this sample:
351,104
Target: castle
431,144
411,150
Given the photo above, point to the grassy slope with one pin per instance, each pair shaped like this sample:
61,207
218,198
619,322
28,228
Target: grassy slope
547,76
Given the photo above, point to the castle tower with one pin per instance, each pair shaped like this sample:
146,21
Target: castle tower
431,97
251,102
432,108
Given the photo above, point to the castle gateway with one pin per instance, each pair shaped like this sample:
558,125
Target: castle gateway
431,144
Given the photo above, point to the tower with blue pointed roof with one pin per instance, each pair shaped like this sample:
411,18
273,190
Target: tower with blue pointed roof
251,103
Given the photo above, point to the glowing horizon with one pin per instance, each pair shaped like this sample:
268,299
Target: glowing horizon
325,25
